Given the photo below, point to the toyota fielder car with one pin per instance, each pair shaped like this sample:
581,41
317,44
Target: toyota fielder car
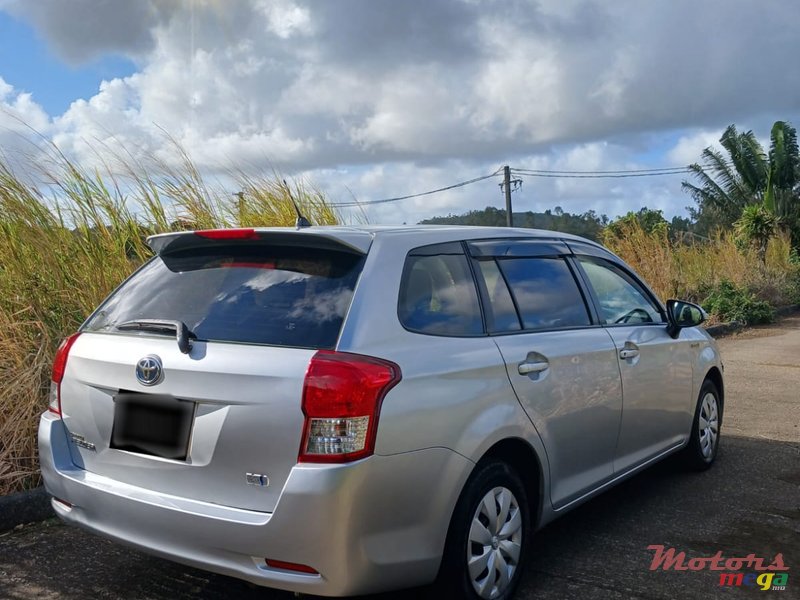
346,410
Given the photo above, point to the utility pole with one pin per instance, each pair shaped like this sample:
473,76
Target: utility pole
507,189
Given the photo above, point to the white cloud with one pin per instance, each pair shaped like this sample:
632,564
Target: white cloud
394,97
689,147
285,19
18,110
20,118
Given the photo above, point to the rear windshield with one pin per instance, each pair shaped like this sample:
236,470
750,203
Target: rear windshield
282,296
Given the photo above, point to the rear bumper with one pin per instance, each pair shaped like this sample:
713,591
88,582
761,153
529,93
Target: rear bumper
374,525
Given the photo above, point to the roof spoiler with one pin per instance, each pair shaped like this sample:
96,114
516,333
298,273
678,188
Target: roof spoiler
357,242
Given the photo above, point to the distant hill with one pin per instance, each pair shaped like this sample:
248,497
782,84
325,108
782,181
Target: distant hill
588,224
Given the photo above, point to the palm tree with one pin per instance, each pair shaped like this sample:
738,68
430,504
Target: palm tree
756,226
781,197
748,176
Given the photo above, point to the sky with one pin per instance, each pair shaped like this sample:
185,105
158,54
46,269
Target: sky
371,99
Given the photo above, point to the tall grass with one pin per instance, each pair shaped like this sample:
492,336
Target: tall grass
677,269
69,235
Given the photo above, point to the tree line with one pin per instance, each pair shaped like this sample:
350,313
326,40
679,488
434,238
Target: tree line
743,188
588,225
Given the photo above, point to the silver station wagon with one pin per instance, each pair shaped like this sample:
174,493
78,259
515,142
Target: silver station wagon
346,410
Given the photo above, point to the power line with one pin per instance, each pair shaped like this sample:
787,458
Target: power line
428,193
666,170
602,174
546,173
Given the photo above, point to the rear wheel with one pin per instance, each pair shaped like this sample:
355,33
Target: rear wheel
704,442
488,536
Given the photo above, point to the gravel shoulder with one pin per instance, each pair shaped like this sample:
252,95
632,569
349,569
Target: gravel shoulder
762,373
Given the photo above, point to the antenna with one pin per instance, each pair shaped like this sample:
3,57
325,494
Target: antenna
301,220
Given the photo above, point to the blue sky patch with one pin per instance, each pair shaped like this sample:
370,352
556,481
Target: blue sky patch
28,65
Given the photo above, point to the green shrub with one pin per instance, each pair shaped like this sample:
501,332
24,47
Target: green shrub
794,257
728,302
793,287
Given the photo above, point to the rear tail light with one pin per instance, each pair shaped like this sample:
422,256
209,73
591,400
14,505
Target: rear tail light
342,396
59,366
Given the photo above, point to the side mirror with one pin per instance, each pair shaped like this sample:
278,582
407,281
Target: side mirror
683,314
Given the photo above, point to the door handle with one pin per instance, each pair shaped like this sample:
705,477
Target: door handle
627,353
526,368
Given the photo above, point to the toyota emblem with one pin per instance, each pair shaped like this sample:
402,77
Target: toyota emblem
149,370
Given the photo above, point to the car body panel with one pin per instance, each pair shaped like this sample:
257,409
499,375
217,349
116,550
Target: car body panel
657,392
241,391
575,403
376,524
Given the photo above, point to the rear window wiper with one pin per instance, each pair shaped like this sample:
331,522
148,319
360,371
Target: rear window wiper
183,334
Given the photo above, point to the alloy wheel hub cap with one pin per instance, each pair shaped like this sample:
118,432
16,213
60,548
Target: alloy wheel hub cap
494,543
708,425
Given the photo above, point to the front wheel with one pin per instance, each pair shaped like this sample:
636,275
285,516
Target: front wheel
704,442
488,537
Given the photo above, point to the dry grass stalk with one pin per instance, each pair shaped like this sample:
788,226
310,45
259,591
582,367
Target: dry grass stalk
69,239
679,270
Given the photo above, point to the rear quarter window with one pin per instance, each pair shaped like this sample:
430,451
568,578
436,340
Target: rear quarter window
438,296
255,294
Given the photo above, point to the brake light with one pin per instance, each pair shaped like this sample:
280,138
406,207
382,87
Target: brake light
228,234
248,265
59,366
342,396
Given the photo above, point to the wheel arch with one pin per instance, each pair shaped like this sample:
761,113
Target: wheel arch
521,456
715,376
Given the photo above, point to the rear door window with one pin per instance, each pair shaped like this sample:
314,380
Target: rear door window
501,313
255,294
546,292
438,296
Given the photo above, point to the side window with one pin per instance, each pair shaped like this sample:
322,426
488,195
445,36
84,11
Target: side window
546,292
621,299
502,315
438,296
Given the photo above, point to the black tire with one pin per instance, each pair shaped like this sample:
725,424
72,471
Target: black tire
454,580
694,455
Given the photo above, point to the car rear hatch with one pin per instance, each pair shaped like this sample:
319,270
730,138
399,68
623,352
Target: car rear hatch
213,413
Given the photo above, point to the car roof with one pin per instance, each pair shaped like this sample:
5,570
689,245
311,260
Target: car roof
360,237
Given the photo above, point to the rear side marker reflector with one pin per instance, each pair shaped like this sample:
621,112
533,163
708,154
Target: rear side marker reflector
64,503
227,234
288,566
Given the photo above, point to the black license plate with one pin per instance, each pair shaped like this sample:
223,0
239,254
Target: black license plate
152,424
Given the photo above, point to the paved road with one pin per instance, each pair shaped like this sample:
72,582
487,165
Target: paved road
749,503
